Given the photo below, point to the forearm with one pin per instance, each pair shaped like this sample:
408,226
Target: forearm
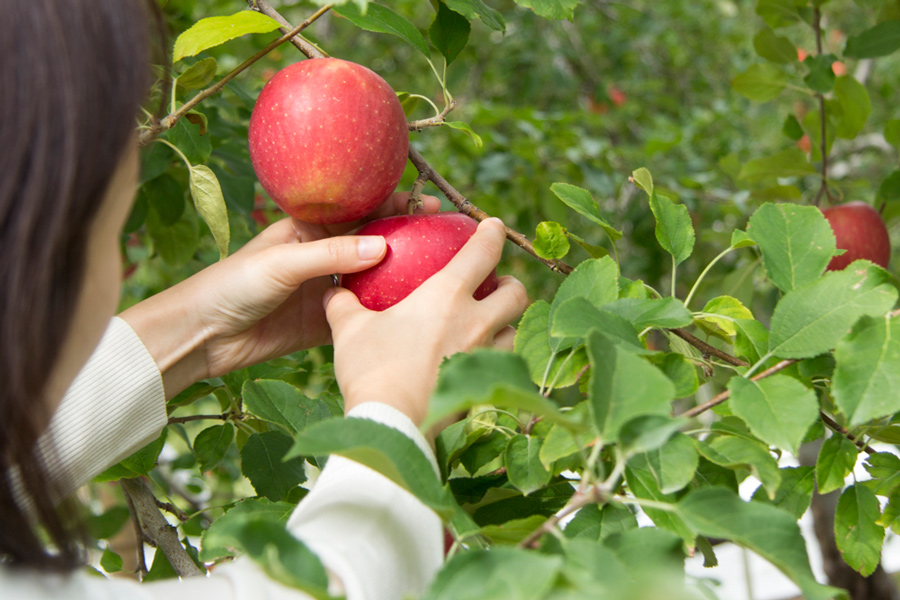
169,327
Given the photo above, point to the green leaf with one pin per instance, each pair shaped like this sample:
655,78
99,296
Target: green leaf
643,482
220,539
551,9
792,128
672,465
461,126
513,531
773,47
835,461
787,163
177,243
577,317
283,557
623,386
476,8
881,40
674,230
760,83
720,313
778,13
210,203
740,239
644,180
488,377
867,375
796,242
680,372
779,410
855,105
732,452
768,531
523,463
856,531
752,339
892,132
138,464
265,463
595,523
278,402
795,492
449,32
379,19
532,343
187,137
592,250
550,240
820,77
198,75
813,318
884,468
651,312
381,448
155,160
110,561
581,201
501,573
212,444
647,433
165,196
408,102
596,280
214,31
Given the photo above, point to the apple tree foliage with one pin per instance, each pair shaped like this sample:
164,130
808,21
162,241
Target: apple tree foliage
673,153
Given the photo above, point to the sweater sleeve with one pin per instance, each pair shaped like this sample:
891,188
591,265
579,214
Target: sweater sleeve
115,406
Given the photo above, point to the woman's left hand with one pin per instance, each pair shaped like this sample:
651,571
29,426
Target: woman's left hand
262,302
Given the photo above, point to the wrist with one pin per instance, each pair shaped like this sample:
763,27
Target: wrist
171,332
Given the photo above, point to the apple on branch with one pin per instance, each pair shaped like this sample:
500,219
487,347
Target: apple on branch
860,230
418,246
328,140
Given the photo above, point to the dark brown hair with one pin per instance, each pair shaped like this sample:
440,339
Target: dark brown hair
72,77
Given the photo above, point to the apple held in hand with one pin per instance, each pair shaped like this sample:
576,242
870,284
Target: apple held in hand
860,230
418,246
328,140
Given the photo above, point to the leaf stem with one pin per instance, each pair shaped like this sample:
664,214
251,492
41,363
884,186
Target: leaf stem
690,296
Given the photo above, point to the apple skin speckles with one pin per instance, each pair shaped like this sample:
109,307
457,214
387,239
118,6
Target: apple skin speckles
293,112
418,247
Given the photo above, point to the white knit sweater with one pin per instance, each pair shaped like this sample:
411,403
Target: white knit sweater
376,540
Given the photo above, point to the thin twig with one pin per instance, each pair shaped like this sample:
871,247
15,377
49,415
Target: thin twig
160,533
170,120
222,417
415,197
434,121
592,495
720,398
138,534
299,42
836,427
823,146
171,509
708,349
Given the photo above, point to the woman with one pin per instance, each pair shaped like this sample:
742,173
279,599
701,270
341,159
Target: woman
72,77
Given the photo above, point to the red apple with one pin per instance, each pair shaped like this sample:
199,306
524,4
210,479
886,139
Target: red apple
860,230
418,246
328,140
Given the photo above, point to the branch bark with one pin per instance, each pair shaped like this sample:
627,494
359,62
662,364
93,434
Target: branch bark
156,529
708,349
299,42
719,399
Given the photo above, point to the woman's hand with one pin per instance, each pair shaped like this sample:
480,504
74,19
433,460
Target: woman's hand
393,356
262,302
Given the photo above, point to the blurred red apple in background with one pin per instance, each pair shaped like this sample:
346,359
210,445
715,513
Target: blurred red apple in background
328,140
418,246
860,230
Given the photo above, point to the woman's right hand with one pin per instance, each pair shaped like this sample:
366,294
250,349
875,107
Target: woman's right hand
393,356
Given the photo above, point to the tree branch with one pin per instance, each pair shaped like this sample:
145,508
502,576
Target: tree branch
222,417
169,121
708,349
434,121
159,532
303,45
578,501
823,189
138,534
835,426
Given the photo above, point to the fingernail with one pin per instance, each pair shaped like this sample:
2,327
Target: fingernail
370,247
496,220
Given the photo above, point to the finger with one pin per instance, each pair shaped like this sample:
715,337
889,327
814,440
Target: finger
340,304
296,263
279,232
507,303
478,257
505,338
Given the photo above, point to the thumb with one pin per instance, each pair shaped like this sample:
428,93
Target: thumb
341,254
340,304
